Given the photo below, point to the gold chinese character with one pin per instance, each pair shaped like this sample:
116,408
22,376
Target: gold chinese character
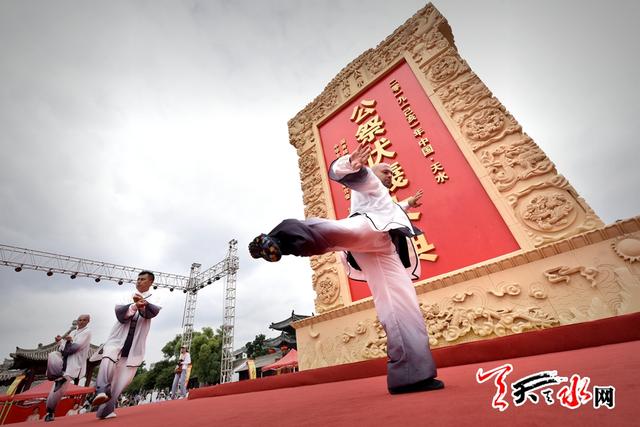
441,177
347,192
398,180
418,132
402,101
436,167
424,141
395,86
427,150
423,247
368,131
378,151
364,110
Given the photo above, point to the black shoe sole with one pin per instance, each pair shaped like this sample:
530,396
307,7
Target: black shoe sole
426,385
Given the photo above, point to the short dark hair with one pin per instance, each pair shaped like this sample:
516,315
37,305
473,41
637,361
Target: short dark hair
153,276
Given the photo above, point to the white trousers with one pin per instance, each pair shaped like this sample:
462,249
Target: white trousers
112,379
394,296
54,396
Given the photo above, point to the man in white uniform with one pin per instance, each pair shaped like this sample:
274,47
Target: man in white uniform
375,236
75,351
178,388
123,352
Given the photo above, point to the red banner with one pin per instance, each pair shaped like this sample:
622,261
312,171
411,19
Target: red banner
396,118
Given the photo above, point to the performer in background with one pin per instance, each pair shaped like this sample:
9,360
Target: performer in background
123,351
74,349
180,378
376,238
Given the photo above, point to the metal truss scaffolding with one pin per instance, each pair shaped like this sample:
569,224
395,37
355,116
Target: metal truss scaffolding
28,259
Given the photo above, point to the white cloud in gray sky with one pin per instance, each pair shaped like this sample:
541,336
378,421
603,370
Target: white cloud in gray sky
137,132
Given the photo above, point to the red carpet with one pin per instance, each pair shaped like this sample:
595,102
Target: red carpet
570,337
365,402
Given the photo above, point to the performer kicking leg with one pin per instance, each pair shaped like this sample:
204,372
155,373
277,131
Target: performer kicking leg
375,235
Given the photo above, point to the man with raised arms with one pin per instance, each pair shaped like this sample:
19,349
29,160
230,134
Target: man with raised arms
375,237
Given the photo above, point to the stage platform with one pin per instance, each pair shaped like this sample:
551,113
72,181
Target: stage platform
606,351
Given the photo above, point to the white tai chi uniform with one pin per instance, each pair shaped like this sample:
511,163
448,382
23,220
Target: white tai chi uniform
376,236
123,351
179,379
76,353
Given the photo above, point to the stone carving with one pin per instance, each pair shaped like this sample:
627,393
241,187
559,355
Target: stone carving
463,95
609,291
447,92
346,88
445,68
313,334
452,323
325,283
536,290
308,163
348,334
312,182
505,288
461,296
627,248
562,274
488,125
317,211
550,212
546,213
318,261
313,195
300,133
376,347
508,164
428,45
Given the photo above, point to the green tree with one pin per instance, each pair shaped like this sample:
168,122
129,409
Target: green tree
256,347
206,350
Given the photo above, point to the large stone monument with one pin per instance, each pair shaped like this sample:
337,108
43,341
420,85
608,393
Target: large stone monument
509,246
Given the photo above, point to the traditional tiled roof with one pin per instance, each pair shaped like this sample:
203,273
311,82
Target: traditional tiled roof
42,352
261,361
283,339
9,374
286,323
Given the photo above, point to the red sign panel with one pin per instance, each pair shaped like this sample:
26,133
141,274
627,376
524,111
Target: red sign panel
396,118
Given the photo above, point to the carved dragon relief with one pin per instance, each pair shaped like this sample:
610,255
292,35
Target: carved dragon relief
552,210
607,290
327,287
510,163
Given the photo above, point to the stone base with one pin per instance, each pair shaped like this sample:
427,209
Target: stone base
585,277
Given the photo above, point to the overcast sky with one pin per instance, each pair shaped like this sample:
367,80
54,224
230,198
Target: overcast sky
150,133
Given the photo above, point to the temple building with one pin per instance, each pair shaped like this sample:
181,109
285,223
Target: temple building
277,348
31,365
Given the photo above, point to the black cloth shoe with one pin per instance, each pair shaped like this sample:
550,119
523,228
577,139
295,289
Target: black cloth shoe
59,383
265,247
49,417
424,385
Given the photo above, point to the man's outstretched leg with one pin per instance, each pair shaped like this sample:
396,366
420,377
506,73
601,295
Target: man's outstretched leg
316,236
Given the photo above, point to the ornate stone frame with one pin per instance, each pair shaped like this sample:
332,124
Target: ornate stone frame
510,166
